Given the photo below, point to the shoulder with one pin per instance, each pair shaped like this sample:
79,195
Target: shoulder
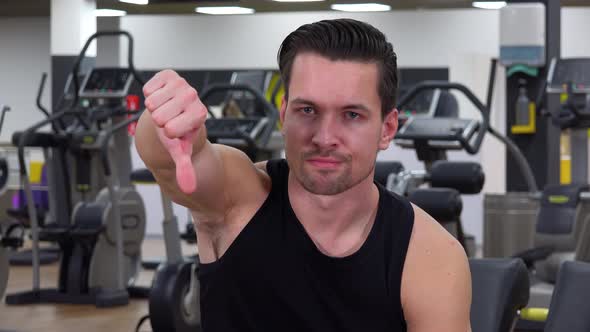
273,169
247,184
261,166
436,281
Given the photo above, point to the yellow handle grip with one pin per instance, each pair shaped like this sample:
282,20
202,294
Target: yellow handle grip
534,314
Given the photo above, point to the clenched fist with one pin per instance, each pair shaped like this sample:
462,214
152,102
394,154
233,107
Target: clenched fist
178,113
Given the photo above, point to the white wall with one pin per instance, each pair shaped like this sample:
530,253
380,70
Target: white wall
24,56
421,38
575,25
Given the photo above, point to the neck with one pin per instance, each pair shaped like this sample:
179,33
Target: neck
334,213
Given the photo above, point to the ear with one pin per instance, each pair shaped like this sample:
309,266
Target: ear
388,129
282,111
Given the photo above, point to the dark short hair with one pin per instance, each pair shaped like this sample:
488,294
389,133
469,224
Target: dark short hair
344,39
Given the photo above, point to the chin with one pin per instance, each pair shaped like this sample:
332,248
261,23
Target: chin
329,190
320,185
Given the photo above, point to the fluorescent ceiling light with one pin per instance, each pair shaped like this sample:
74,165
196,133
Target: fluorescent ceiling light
231,10
489,4
298,0
361,7
109,12
136,2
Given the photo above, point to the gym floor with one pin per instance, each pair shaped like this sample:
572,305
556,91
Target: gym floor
85,318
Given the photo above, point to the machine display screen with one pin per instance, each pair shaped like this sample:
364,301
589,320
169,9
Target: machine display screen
106,82
575,71
424,104
245,101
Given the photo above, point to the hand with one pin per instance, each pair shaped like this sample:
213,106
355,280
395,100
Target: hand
178,114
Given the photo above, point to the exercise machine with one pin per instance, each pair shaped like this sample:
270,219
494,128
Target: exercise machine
5,239
500,289
384,168
431,138
10,239
3,162
463,177
101,245
568,310
250,132
44,195
171,233
561,231
448,180
500,286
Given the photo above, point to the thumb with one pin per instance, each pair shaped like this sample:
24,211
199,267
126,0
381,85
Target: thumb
185,172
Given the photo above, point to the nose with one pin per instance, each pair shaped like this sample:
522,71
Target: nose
326,133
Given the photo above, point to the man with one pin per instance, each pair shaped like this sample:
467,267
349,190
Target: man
309,243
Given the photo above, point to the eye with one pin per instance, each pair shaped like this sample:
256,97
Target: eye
352,115
306,110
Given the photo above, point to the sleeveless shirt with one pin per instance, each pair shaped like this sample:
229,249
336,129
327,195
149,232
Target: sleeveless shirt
273,278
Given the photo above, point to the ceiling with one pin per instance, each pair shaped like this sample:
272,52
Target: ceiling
16,8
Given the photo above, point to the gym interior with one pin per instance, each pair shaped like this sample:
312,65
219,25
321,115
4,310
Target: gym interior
491,142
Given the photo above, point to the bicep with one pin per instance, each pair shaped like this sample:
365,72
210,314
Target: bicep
436,284
442,306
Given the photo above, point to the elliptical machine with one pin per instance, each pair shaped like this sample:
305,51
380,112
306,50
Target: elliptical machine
110,223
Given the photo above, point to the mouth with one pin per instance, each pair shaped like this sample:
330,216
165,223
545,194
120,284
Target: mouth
324,163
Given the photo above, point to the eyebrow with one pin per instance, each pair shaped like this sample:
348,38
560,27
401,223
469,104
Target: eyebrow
357,107
304,101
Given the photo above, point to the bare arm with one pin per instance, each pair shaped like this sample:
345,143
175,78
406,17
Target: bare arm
171,140
436,282
205,160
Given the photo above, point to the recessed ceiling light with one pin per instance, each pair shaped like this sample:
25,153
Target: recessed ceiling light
361,7
109,12
136,2
489,4
230,10
298,0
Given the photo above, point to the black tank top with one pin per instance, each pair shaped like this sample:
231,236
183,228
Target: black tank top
273,277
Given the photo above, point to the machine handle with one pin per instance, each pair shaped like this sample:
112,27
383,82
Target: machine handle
431,85
25,136
104,152
40,93
271,113
3,109
43,109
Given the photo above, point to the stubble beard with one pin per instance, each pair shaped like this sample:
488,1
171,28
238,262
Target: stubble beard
327,182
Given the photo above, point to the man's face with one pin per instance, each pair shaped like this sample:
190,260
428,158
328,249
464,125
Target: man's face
332,123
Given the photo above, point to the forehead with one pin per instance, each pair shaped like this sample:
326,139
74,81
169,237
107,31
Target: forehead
309,63
313,75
